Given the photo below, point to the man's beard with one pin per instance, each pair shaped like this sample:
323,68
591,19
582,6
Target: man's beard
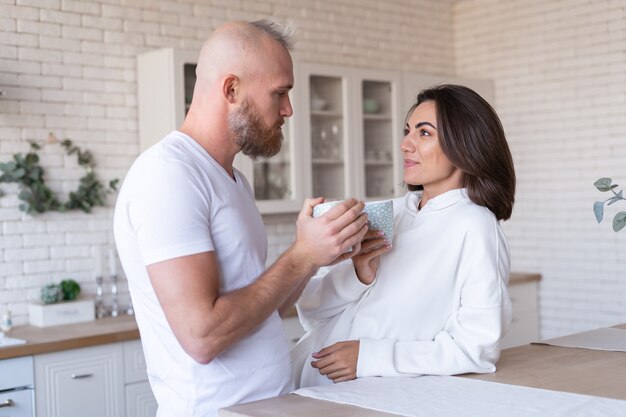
254,138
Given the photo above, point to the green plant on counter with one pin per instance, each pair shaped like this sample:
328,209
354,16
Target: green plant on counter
70,289
37,197
66,290
604,185
51,293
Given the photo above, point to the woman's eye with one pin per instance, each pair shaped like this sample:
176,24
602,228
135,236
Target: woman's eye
424,133
405,132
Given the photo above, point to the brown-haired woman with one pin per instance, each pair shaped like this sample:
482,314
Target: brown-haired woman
438,302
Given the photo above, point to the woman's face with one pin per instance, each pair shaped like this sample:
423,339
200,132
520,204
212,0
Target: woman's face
424,161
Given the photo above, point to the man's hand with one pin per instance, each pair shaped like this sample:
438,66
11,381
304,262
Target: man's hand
325,240
367,260
338,361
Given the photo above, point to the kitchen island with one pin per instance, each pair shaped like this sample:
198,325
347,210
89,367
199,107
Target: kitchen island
580,371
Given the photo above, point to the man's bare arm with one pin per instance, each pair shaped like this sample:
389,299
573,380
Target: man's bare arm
206,323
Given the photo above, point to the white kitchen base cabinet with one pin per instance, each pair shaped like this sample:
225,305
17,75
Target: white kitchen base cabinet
525,324
80,382
16,404
101,381
140,401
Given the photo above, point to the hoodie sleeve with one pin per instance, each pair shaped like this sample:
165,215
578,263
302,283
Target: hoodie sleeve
328,294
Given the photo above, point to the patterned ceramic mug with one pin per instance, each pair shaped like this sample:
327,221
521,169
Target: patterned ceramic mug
379,215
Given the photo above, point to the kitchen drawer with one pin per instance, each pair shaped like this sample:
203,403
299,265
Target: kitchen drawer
17,403
16,372
80,382
134,362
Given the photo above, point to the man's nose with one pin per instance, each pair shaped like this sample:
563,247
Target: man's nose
286,110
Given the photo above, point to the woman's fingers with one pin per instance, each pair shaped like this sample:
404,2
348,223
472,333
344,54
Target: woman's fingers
338,374
349,377
372,244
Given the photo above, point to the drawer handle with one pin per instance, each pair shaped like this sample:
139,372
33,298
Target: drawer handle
80,376
7,403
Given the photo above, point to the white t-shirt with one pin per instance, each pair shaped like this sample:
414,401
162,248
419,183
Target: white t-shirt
176,200
439,304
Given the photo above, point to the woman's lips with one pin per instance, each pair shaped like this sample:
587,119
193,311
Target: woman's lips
408,163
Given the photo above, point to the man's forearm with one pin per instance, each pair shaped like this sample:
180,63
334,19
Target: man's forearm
236,314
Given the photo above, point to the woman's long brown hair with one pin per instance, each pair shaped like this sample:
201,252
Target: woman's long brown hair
472,137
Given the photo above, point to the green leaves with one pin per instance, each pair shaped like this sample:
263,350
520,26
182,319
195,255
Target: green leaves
66,290
604,185
70,289
619,221
598,209
37,197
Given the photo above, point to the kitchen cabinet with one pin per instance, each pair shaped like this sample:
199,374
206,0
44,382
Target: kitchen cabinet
80,382
16,387
107,380
140,401
166,78
165,81
349,120
525,323
343,140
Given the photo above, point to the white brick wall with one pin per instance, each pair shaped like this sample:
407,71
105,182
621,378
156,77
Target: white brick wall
68,66
560,76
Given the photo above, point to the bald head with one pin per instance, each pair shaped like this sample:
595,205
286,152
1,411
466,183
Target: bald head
241,48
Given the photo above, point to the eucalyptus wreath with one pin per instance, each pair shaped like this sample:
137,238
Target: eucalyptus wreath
37,197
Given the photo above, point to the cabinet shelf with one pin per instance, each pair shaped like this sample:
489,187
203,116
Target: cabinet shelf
273,161
327,161
326,113
383,117
379,163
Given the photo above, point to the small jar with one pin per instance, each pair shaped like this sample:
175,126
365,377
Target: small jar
7,321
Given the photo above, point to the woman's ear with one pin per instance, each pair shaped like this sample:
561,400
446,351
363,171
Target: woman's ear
230,87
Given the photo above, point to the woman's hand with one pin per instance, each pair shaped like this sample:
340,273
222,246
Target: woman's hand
367,260
338,361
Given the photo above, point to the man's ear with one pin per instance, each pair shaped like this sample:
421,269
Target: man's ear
230,88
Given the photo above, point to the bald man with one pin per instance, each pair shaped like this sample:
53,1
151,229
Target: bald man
193,244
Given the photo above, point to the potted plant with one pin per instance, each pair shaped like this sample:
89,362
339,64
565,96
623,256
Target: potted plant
59,304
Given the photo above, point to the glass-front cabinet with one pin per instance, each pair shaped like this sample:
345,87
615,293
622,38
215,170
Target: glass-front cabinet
328,139
166,78
351,121
378,131
274,180
342,141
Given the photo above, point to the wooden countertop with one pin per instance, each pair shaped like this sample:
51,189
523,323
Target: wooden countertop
522,277
581,371
70,336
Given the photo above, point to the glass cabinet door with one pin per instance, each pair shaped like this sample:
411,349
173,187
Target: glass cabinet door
328,153
378,139
272,179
